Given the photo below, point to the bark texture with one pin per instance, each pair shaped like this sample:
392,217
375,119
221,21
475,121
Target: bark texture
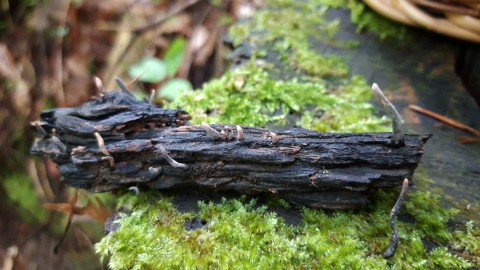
146,146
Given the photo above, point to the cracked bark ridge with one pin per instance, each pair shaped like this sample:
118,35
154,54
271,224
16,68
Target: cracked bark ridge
154,148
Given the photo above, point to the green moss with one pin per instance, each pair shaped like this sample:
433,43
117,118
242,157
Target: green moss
241,235
287,27
467,241
432,219
249,96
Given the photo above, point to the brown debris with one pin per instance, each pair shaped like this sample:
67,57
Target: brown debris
450,122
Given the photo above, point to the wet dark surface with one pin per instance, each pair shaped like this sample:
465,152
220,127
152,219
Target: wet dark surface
421,71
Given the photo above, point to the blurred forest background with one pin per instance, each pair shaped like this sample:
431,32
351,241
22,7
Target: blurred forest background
50,51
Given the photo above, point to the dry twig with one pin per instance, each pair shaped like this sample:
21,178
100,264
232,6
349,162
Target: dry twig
397,125
450,122
395,236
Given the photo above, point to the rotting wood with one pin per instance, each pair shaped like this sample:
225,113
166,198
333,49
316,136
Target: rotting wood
139,144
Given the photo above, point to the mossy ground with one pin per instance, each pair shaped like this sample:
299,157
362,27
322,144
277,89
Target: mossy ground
239,233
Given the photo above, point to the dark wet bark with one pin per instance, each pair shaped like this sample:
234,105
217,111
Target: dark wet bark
146,146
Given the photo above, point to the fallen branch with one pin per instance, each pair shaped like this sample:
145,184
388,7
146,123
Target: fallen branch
139,144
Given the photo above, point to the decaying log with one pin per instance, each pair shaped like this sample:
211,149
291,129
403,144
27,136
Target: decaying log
116,142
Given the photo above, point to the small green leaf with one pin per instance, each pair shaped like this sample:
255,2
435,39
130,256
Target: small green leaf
174,88
149,69
174,56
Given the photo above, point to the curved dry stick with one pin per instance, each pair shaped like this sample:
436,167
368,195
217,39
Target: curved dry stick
103,149
395,236
72,202
397,125
101,144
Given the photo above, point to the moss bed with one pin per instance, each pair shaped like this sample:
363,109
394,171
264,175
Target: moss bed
243,234
239,234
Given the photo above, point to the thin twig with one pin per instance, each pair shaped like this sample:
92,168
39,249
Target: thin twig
464,139
71,202
397,125
395,236
444,119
